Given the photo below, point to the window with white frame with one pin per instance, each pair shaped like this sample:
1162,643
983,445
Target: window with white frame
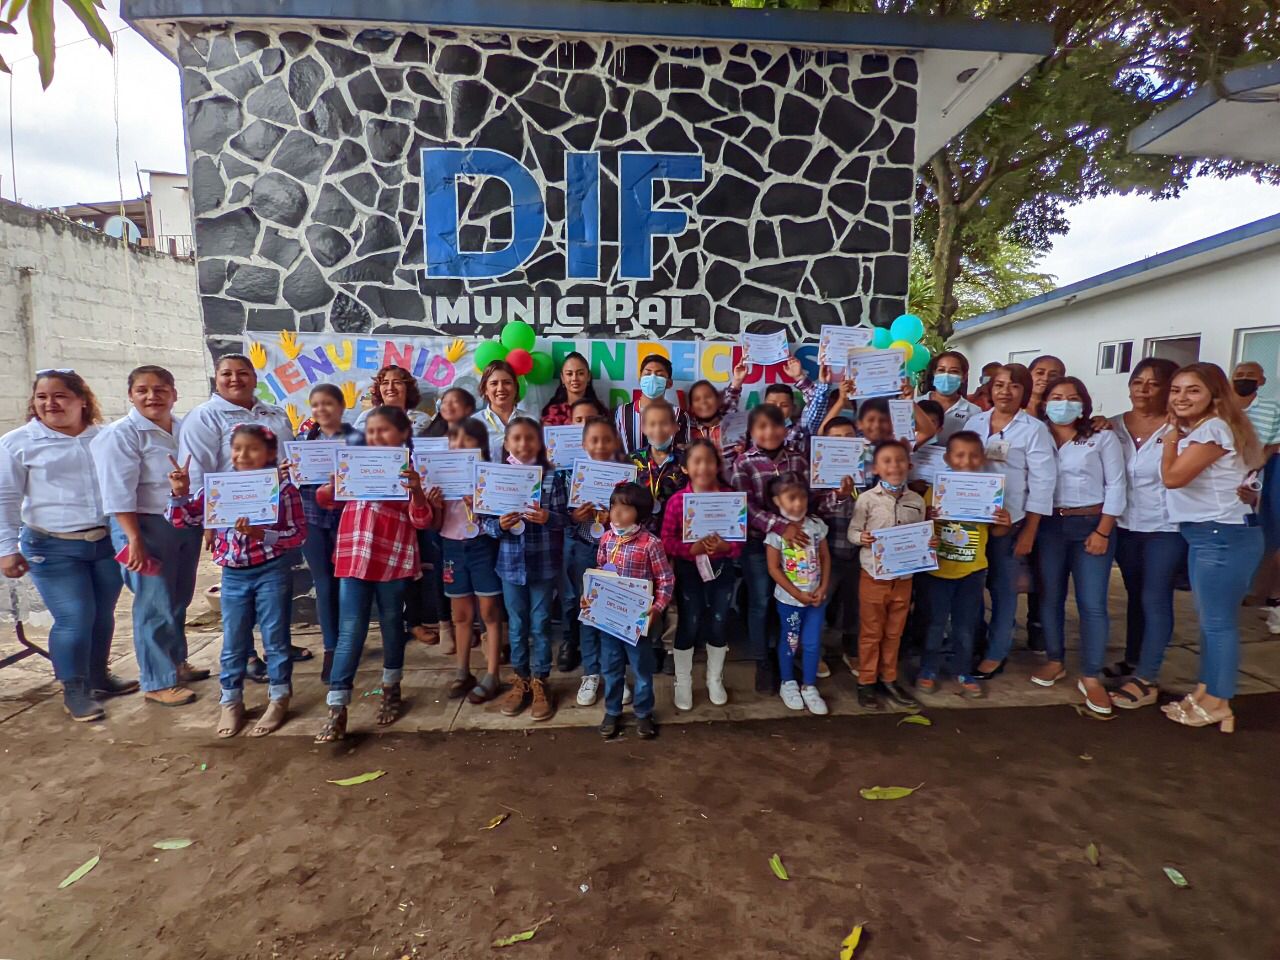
1023,357
1116,357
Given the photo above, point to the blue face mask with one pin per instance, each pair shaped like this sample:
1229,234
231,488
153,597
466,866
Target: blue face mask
894,488
1063,412
946,383
663,446
653,385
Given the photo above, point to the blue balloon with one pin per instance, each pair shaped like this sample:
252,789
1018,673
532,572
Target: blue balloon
881,338
907,327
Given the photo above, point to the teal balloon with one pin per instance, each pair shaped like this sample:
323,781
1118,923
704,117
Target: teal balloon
920,358
881,338
518,335
907,327
488,352
544,368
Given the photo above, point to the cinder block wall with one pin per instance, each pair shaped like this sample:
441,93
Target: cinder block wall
71,297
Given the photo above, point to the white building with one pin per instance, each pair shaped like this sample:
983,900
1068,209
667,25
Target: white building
1216,300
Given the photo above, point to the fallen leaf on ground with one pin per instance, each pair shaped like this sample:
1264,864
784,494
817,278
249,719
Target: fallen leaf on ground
919,719
850,943
1175,877
363,778
375,692
496,821
172,843
92,862
888,793
1091,851
1085,756
522,935
779,871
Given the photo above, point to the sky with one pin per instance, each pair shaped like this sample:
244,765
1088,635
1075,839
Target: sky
64,145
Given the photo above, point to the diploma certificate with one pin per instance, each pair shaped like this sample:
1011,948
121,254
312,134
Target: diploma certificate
564,445
617,609
252,494
722,513
835,342
899,551
370,473
974,497
312,461
453,471
505,488
831,459
875,373
765,349
593,481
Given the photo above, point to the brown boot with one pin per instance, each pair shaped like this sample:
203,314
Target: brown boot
517,698
189,674
544,704
170,696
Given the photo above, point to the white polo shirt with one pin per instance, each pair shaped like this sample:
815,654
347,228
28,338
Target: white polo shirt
956,418
1092,471
1030,463
1212,496
47,480
206,434
132,459
1145,510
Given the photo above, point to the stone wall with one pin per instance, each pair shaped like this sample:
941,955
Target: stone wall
72,297
305,162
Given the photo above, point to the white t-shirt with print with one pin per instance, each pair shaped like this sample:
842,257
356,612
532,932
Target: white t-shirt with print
1211,496
801,565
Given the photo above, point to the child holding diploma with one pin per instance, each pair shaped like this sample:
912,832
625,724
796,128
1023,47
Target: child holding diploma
835,508
530,550
375,558
255,580
953,592
582,540
883,604
802,573
705,586
629,550
469,576
658,462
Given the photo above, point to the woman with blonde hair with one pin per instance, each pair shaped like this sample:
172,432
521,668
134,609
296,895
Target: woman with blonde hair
1204,463
53,526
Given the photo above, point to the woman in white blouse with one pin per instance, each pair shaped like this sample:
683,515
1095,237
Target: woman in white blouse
1149,550
1078,540
1019,446
52,525
1203,471
947,376
134,456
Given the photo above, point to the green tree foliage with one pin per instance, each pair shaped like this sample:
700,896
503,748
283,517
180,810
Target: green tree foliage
40,23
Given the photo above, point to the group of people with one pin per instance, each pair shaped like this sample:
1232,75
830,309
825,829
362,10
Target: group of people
1168,490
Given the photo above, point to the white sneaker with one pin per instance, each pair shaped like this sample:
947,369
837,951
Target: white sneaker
790,694
813,700
626,694
1273,620
823,670
589,690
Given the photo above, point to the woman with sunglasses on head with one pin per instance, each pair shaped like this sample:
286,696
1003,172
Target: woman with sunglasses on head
53,526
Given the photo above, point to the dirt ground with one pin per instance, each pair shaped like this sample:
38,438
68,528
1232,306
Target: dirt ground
652,849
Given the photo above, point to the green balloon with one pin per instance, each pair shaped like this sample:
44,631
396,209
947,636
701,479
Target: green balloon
544,368
881,338
518,335
920,358
488,352
521,382
907,327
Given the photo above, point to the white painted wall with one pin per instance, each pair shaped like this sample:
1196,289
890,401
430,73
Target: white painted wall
1218,302
171,211
70,297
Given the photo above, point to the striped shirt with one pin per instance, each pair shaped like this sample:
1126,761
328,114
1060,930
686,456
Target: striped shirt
1264,414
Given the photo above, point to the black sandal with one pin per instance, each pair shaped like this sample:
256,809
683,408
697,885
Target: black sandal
389,708
460,686
1125,700
300,654
335,726
1120,670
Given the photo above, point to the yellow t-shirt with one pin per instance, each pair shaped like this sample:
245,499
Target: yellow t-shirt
962,546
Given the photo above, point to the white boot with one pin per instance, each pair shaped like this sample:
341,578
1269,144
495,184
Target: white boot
684,679
715,675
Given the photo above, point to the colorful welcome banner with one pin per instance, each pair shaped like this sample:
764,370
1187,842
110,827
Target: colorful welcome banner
290,365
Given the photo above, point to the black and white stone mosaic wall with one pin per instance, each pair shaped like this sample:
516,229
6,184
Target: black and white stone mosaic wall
305,173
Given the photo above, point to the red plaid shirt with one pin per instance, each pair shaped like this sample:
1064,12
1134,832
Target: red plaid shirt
232,549
640,556
378,539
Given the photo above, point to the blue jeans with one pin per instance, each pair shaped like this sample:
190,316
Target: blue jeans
318,549
79,582
804,626
1002,584
615,655
703,604
1149,563
261,595
1060,554
958,600
578,557
529,616
356,598
160,602
759,584
1221,561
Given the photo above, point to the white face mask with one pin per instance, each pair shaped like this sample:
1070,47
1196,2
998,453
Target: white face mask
624,531
792,517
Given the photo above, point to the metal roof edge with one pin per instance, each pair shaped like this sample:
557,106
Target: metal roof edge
1234,82
1218,242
